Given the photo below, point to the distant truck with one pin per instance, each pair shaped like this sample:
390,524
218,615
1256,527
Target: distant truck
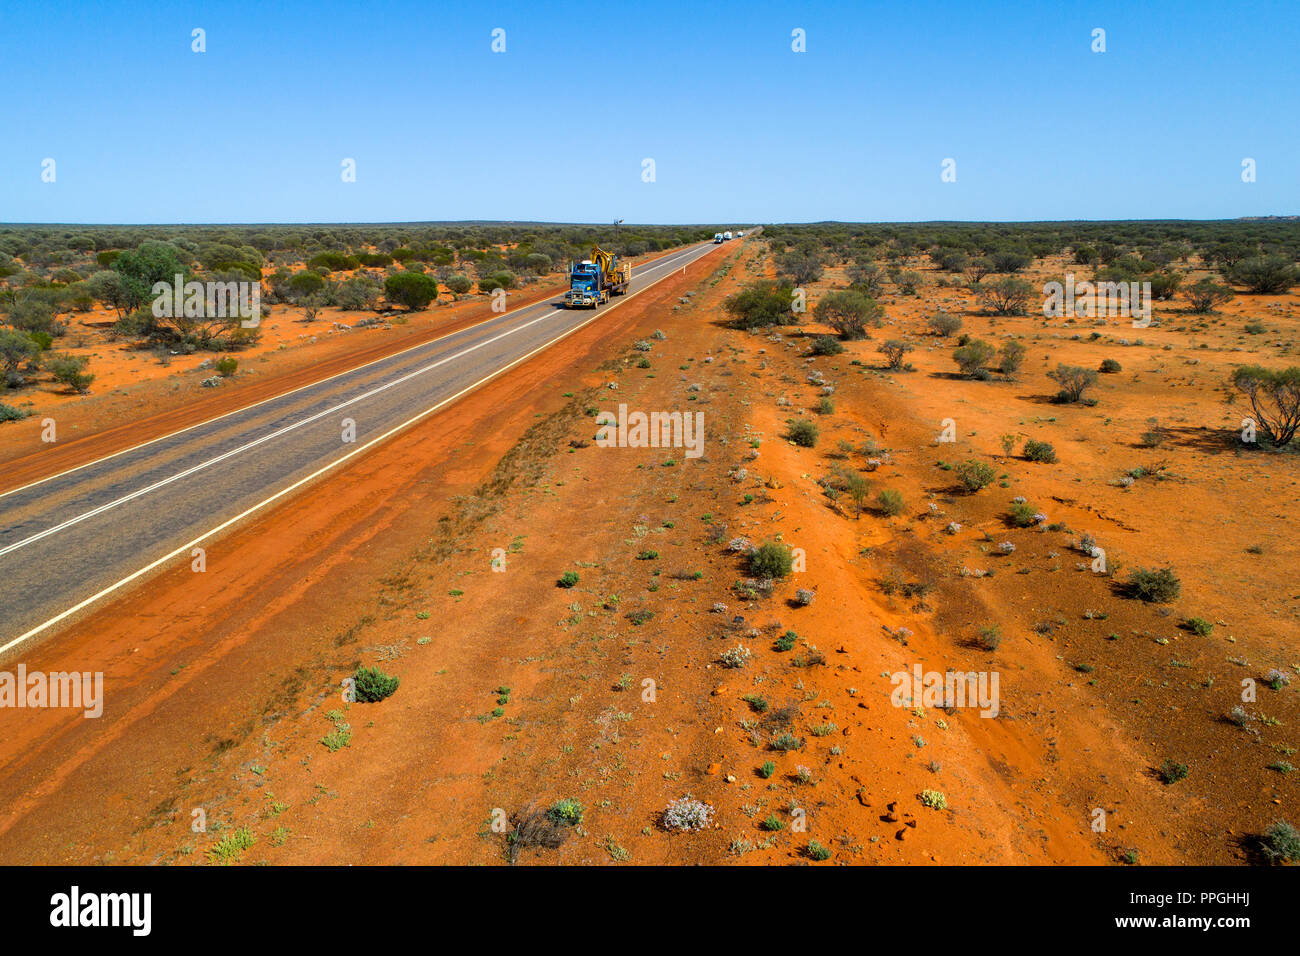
717,238
740,235
592,281
727,236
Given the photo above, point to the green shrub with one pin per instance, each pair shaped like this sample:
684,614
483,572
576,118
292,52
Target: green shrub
70,370
975,475
894,351
826,345
1074,381
567,811
304,285
568,579
1265,275
1274,397
771,559
973,357
1011,357
226,366
10,414
1171,771
1110,365
849,313
890,502
767,769
1022,514
761,304
802,432
373,685
1204,295
818,852
1199,626
1159,586
990,637
1281,843
459,284
414,290
1043,451
944,325
1006,296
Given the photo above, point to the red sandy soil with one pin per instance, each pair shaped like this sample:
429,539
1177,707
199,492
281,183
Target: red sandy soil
222,686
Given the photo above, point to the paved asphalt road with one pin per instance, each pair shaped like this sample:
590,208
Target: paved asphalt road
68,538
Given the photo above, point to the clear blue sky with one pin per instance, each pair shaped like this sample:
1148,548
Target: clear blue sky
741,128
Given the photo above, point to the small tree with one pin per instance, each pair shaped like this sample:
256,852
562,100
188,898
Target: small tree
459,284
15,349
1074,381
894,350
1274,397
867,278
804,268
977,269
304,285
972,358
1006,296
70,370
943,325
1204,295
1265,275
849,313
1011,357
414,290
760,305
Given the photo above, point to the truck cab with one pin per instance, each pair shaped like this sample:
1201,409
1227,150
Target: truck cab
726,235
717,238
585,286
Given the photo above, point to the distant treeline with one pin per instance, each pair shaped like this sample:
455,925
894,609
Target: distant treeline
1160,242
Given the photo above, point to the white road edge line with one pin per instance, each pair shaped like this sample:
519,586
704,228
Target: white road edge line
334,464
650,266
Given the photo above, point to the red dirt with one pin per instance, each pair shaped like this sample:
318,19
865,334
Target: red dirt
221,686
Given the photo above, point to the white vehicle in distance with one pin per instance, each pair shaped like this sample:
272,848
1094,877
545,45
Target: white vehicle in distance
717,237
726,235
740,235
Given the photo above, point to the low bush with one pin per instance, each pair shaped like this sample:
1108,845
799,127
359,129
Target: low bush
1043,451
975,475
771,560
1157,586
373,685
802,432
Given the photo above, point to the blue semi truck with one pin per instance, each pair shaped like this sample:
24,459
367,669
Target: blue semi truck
592,281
